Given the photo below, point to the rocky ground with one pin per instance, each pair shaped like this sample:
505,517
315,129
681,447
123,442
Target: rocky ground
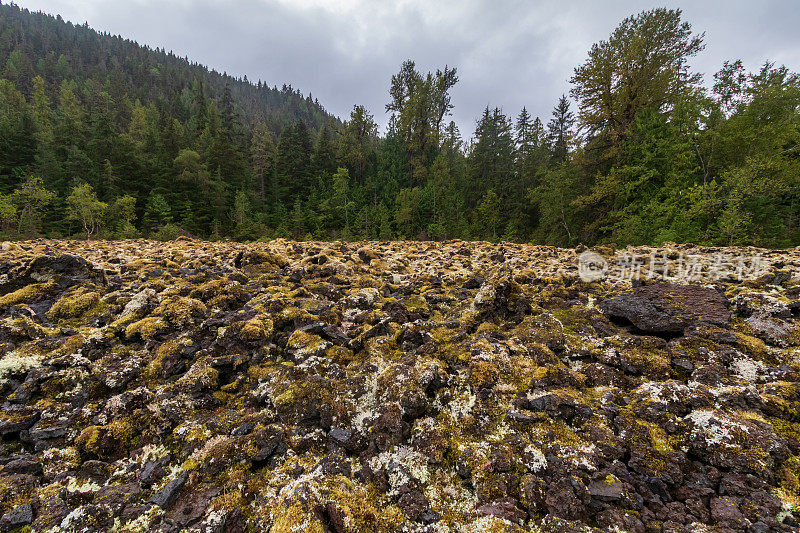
333,387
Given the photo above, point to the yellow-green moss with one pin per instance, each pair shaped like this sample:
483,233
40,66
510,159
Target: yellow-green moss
13,493
74,304
469,318
363,509
145,328
199,377
483,374
291,394
180,310
278,260
256,329
520,374
142,264
341,355
109,440
122,430
573,319
794,336
557,373
26,293
788,479
301,340
415,302
170,348
785,429
89,440
557,432
69,346
752,346
260,372
650,361
296,314
789,409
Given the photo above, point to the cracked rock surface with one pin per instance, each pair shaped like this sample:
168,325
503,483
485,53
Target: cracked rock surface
331,387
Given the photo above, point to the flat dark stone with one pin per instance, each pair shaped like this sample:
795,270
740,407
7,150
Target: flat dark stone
167,495
23,465
505,508
683,364
244,429
19,516
605,491
21,417
341,436
192,504
53,431
669,307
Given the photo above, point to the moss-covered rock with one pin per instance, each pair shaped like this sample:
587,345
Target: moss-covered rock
387,387
74,304
27,293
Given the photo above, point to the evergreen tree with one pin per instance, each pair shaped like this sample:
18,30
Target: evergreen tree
560,131
263,155
324,160
156,212
488,212
491,160
357,141
525,142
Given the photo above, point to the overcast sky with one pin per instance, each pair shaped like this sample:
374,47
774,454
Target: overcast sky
509,53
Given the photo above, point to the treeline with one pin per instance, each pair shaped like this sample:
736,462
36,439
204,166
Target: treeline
639,153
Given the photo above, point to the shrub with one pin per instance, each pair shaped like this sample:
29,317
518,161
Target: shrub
167,232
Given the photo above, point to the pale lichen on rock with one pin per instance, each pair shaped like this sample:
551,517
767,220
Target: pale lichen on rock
332,387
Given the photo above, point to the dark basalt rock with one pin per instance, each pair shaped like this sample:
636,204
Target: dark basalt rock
167,495
117,497
22,465
668,308
224,387
18,417
65,269
152,472
725,512
269,441
606,490
505,508
191,505
19,516
414,504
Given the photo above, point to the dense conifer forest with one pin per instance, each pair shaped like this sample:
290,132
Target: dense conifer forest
100,136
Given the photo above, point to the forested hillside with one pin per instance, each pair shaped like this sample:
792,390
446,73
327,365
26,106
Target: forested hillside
101,136
78,106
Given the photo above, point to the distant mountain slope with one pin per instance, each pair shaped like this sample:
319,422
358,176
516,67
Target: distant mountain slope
34,43
158,139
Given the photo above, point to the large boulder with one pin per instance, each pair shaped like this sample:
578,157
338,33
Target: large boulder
65,269
668,307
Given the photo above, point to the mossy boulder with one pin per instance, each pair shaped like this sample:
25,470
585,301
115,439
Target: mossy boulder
74,304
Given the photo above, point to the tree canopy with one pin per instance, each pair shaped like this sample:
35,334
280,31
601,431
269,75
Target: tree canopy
100,136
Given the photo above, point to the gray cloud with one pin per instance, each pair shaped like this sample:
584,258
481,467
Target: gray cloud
509,53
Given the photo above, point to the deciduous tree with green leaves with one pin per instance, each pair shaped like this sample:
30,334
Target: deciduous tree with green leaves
30,200
83,206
